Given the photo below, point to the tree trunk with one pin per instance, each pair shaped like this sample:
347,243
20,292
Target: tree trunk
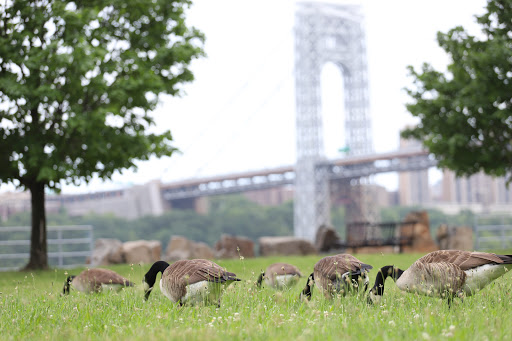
38,245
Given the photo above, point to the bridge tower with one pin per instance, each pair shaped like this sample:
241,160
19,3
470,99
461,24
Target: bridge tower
327,33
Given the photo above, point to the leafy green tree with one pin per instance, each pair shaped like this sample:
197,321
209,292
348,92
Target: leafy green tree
78,80
465,114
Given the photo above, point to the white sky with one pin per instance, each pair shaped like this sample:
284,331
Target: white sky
238,114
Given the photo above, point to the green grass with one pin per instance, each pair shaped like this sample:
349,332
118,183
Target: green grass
32,308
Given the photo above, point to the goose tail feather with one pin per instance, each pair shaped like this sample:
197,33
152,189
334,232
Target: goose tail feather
507,259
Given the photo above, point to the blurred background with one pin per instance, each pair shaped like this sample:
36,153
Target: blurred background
236,127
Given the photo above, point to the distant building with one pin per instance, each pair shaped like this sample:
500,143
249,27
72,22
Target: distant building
129,203
479,193
271,196
413,187
13,203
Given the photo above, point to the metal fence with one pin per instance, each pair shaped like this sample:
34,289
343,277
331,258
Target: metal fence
68,246
368,234
492,233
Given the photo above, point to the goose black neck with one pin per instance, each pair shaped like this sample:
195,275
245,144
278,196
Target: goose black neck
67,284
397,273
150,276
384,272
306,292
260,279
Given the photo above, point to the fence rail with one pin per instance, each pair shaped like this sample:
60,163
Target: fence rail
13,237
367,234
493,237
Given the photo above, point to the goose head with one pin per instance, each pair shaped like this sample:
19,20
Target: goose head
150,277
306,292
67,284
377,290
260,279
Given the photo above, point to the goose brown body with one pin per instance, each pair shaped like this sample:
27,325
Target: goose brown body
190,281
280,275
338,274
95,280
446,273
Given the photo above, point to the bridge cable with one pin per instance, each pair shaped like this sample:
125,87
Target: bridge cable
248,120
232,99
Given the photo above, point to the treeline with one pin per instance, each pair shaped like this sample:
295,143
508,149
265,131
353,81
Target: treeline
233,214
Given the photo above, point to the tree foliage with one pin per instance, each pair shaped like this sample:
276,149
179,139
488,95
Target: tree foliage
466,113
78,80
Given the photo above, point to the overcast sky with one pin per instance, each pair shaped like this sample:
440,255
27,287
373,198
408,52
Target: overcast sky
238,114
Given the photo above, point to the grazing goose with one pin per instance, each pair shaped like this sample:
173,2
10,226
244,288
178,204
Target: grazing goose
337,274
280,275
95,280
446,273
189,281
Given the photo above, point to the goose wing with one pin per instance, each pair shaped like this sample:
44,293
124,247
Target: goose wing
334,266
282,269
464,259
104,276
198,270
439,277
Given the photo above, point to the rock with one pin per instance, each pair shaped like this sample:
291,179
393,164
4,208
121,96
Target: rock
178,248
106,251
416,227
273,246
371,249
442,237
326,238
234,247
462,239
455,238
202,250
142,251
182,248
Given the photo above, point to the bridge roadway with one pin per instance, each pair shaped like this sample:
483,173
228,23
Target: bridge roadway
352,167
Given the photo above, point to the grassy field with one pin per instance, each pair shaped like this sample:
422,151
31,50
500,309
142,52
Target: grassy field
32,308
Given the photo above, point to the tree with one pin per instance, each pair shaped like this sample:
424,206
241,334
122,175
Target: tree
466,114
78,80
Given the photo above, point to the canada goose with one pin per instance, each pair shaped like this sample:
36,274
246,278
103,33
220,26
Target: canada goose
445,273
189,281
337,274
280,275
95,280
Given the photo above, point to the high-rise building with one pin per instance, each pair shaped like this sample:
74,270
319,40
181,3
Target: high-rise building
478,188
413,186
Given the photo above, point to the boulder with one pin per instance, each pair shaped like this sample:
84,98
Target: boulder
371,249
416,227
202,250
455,238
326,238
178,248
234,247
142,251
106,251
273,246
182,248
443,236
